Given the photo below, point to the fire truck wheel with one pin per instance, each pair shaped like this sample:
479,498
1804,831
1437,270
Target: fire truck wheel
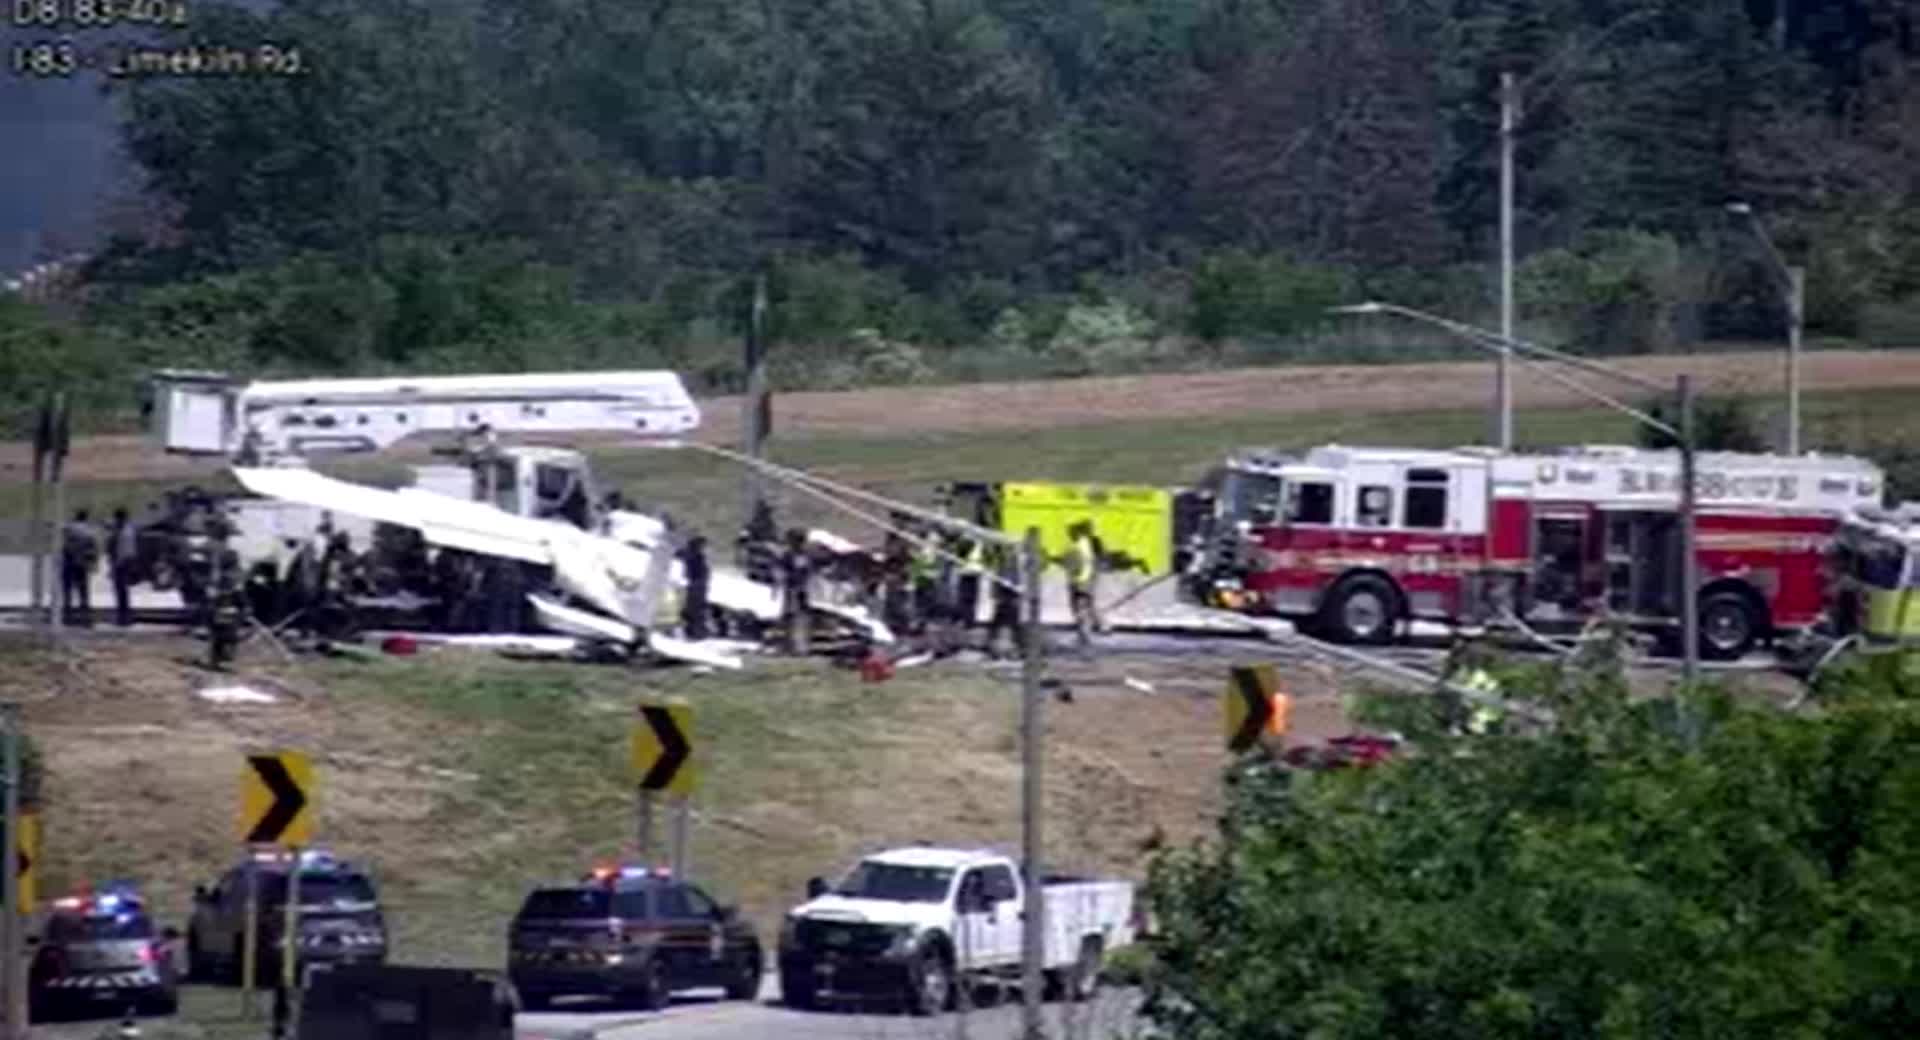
1728,626
1362,609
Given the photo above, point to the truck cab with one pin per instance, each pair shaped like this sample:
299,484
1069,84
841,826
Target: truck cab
921,923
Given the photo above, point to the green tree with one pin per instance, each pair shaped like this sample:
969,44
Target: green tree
926,156
1618,874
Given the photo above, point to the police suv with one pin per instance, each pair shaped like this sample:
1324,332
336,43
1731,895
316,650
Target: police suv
340,920
103,949
630,933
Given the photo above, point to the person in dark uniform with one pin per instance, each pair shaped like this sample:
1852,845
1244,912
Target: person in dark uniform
895,593
226,600
79,554
123,556
695,609
796,573
966,597
759,546
1006,601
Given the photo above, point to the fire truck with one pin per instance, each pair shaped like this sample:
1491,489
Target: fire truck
1352,542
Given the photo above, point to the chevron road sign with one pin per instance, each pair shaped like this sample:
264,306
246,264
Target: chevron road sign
26,853
276,799
662,749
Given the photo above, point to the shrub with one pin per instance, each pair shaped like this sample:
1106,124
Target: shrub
1613,292
1243,294
1725,423
1101,338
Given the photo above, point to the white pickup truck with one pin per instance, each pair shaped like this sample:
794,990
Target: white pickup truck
920,922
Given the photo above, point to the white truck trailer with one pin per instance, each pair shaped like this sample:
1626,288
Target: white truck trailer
919,923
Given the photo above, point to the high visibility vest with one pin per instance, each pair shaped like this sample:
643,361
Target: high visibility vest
1080,567
976,559
921,565
1485,714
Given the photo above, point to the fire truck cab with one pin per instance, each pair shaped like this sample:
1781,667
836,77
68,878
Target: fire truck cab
1352,541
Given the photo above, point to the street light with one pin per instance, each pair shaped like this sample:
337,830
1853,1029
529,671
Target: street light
1791,282
1683,435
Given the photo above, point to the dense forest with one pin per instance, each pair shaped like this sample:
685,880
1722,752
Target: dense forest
953,188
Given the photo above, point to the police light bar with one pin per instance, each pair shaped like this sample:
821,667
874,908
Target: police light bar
69,903
607,873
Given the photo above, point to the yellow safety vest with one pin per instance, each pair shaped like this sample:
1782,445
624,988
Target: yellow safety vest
1080,570
976,559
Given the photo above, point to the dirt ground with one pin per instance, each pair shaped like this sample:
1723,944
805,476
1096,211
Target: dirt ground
1046,404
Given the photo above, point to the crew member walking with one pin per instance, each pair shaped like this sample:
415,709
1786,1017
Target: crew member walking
79,554
1083,569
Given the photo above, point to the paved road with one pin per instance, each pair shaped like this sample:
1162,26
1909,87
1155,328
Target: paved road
700,1016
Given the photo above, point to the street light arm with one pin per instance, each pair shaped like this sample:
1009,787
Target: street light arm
792,476
1778,272
1498,343
1608,400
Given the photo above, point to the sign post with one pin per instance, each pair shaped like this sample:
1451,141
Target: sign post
661,754
250,942
276,808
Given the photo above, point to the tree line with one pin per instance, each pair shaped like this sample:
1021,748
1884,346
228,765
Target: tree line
1000,186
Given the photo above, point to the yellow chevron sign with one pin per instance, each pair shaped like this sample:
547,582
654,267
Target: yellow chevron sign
276,799
26,860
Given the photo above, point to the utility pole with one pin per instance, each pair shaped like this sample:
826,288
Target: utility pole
1791,283
37,524
756,420
1032,733
1796,321
1689,558
1503,389
56,555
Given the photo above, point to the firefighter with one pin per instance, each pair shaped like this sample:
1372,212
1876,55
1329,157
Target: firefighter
796,572
759,546
895,565
226,603
966,599
1486,715
923,570
337,580
1082,562
1006,601
123,554
79,555
695,610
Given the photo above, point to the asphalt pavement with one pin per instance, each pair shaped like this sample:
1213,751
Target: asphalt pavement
703,1015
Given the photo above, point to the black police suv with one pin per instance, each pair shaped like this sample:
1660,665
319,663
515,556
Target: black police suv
633,934
340,920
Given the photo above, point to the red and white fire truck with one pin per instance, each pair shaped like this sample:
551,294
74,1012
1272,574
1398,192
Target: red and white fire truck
1351,541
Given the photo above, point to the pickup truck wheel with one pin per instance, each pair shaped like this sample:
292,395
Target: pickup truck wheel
1085,980
931,985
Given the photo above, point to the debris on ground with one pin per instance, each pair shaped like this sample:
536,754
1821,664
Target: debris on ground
235,695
